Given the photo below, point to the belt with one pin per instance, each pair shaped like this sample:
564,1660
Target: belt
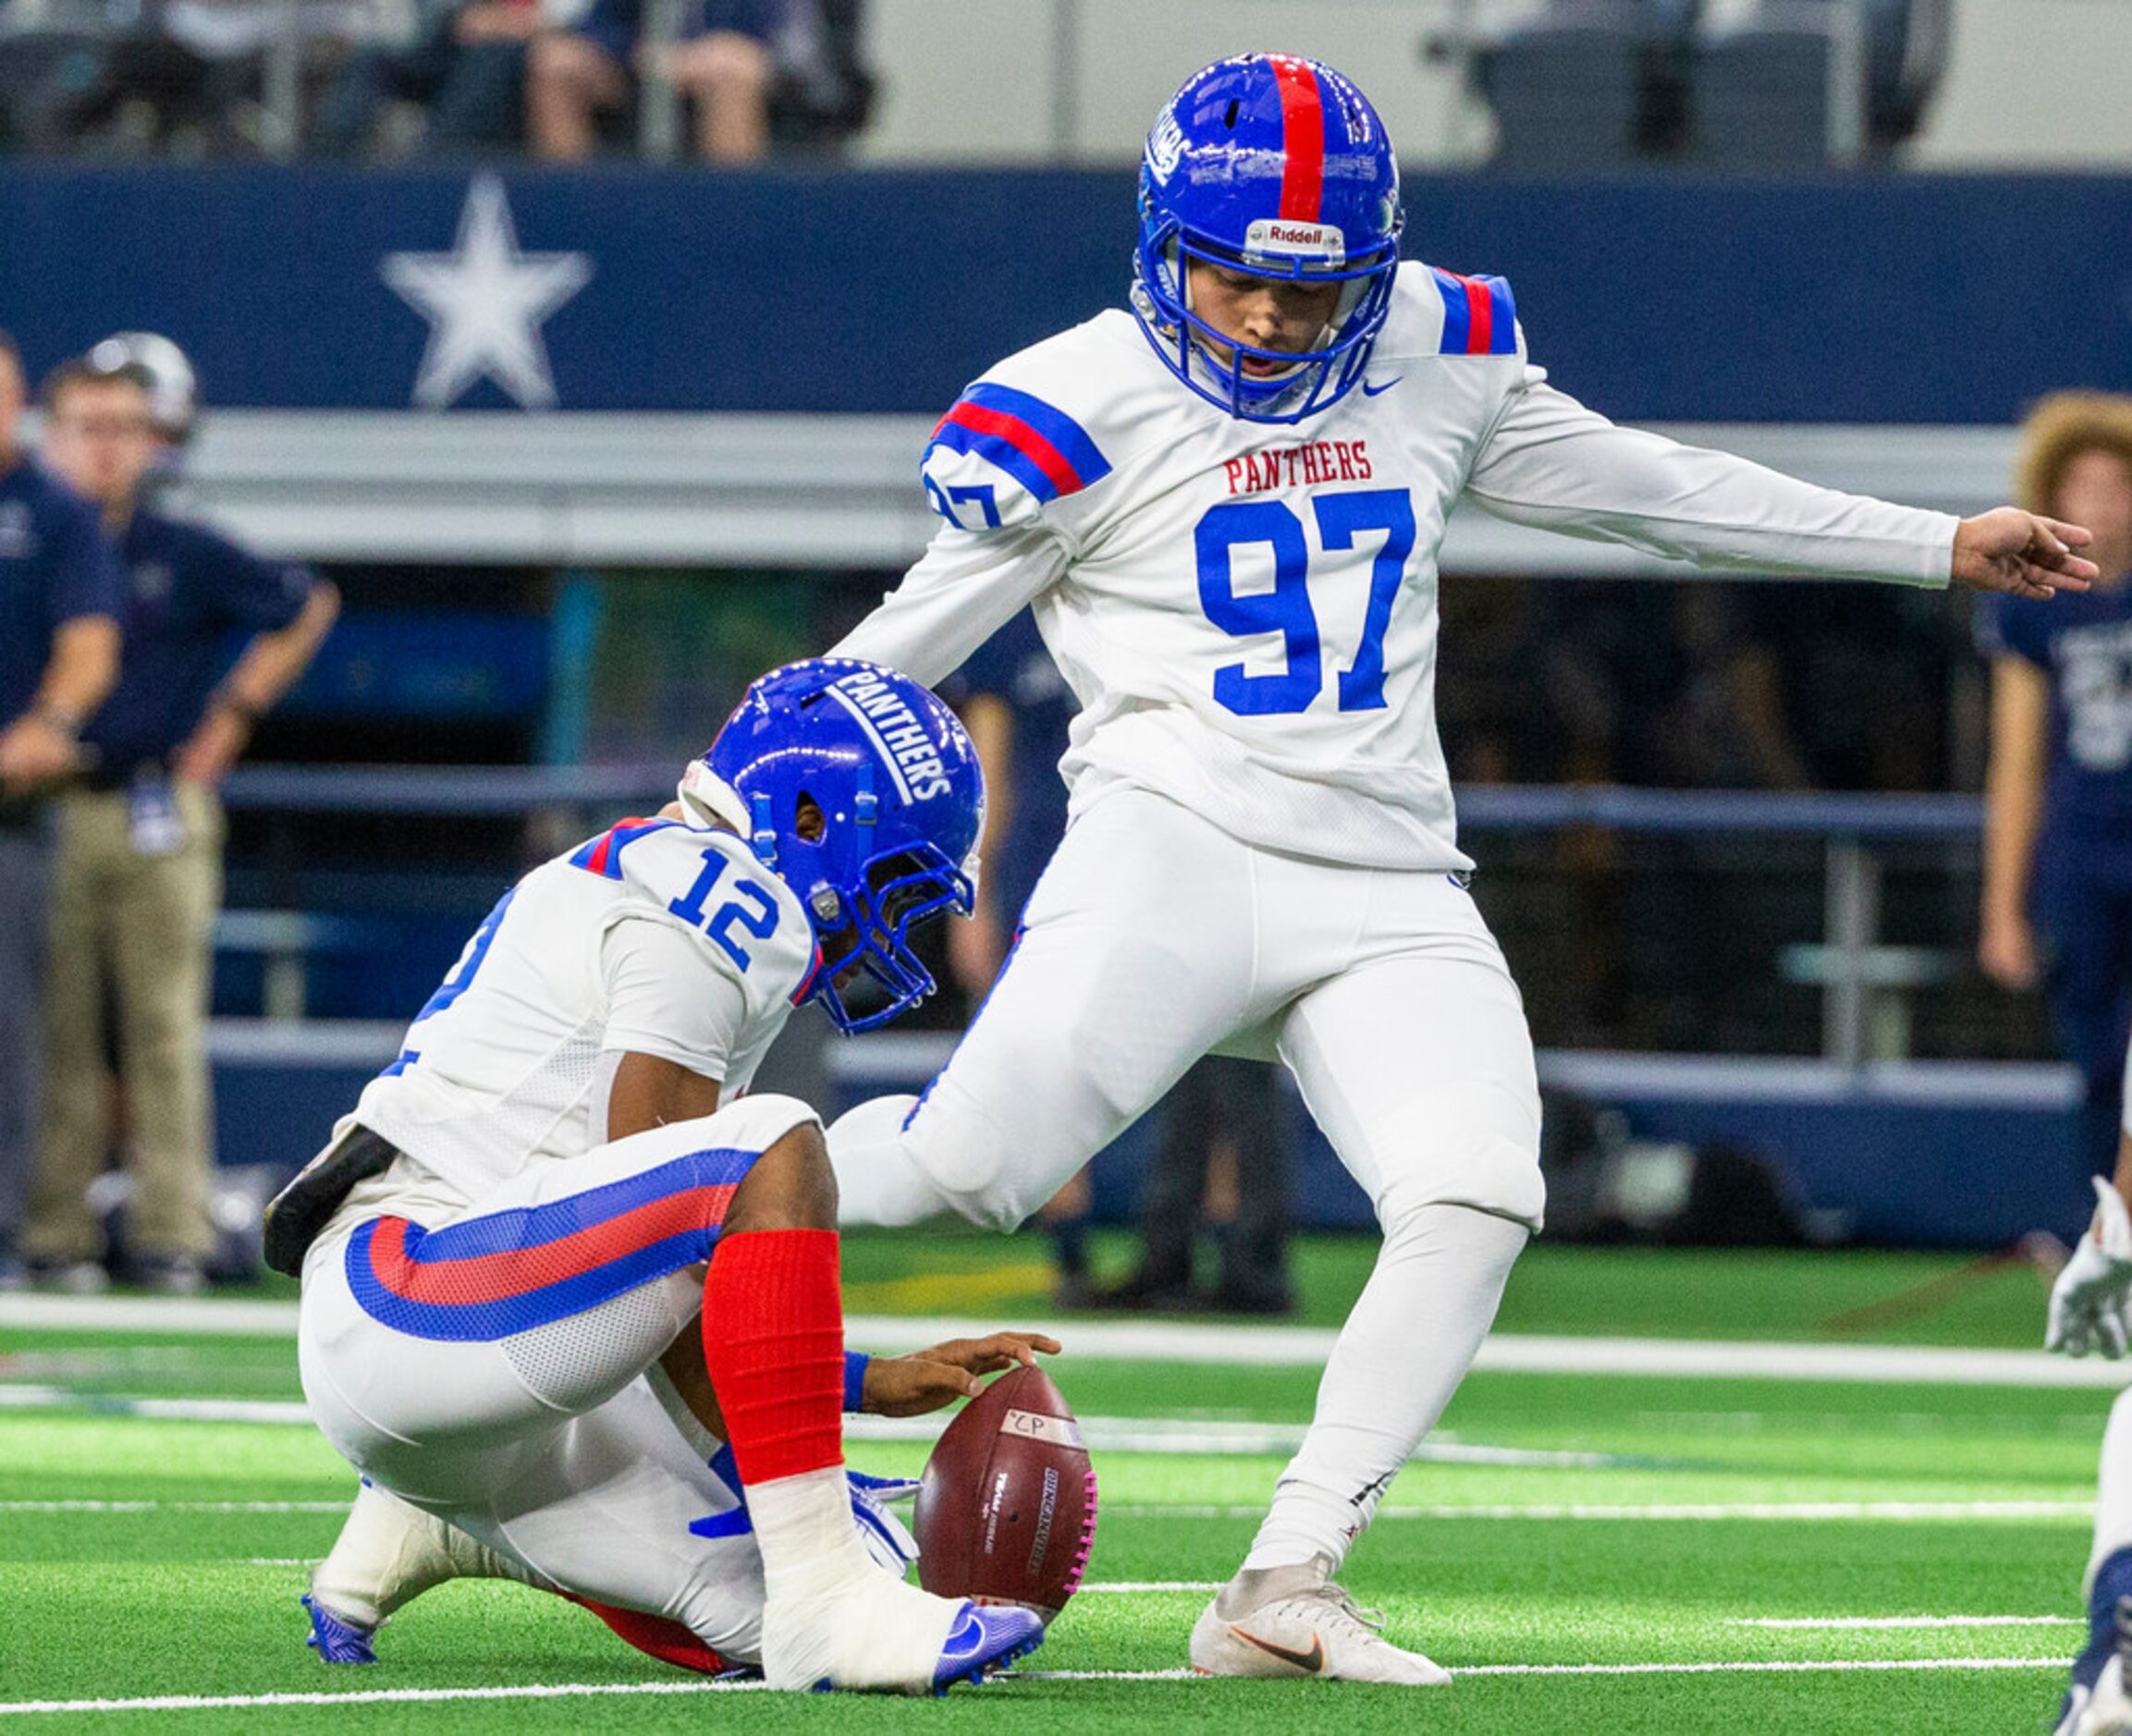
295,1216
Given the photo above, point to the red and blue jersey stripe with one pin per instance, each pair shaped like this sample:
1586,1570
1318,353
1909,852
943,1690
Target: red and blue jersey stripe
486,1277
1041,446
602,855
1479,315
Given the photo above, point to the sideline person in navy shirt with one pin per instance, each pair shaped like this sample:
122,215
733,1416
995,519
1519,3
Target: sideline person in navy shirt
2057,897
59,603
140,852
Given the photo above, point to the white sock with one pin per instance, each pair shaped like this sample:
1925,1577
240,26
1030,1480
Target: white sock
804,1531
1414,1332
2112,1491
390,1552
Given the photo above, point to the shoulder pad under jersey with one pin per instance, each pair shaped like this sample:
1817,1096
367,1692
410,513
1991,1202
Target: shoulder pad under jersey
711,882
1001,455
1479,315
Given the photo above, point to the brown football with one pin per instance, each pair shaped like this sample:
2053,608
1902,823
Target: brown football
1006,1508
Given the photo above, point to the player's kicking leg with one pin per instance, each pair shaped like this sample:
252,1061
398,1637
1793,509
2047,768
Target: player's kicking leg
2099,1700
1418,1064
461,1366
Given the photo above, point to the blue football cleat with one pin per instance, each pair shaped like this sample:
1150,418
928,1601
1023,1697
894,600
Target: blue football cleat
988,1638
337,1642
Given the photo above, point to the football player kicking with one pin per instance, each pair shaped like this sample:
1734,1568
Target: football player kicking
1225,507
2087,1312
506,1249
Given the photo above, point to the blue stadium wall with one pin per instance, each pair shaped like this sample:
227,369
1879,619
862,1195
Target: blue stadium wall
1840,299
1843,299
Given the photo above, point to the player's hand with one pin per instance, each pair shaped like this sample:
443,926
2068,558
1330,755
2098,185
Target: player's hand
928,1380
35,751
2006,951
2022,554
207,755
2088,1300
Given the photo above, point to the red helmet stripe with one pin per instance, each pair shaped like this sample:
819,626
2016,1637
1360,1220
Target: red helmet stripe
1302,137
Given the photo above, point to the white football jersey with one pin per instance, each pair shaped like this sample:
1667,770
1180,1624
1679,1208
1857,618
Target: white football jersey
1246,611
655,937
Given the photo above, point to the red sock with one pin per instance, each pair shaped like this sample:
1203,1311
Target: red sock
773,1343
656,1636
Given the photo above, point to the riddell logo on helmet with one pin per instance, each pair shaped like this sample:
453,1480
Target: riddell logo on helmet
1278,235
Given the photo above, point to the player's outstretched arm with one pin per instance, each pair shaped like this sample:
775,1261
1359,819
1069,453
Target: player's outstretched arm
926,1380
2022,554
1555,463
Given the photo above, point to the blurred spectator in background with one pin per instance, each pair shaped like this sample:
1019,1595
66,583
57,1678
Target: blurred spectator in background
2057,897
139,868
1018,710
466,67
60,600
183,78
1223,1163
720,59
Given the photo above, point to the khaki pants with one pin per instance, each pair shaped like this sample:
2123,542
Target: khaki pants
134,931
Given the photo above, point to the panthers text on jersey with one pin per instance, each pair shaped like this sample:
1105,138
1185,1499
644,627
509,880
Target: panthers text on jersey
655,937
1246,611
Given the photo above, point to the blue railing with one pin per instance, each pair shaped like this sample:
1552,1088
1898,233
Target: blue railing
505,789
1862,981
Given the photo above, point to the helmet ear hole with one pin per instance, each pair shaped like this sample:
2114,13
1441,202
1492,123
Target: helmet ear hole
809,821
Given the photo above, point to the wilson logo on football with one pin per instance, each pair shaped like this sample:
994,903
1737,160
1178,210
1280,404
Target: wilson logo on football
1061,1431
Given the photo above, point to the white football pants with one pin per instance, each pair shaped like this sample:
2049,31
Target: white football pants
497,1368
1154,937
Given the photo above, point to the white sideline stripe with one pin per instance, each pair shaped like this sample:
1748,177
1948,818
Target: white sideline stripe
563,1690
1877,1622
1169,1435
1135,1585
1260,1346
1821,1511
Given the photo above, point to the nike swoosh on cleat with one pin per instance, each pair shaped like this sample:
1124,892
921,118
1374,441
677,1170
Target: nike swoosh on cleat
1313,1660
1370,389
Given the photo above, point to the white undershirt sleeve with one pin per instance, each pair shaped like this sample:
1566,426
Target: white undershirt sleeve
967,585
668,996
1553,464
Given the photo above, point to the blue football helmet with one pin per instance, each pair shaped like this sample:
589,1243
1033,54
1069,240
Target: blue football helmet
1276,166
863,795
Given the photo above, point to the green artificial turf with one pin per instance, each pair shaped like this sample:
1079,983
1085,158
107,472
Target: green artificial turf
1489,1566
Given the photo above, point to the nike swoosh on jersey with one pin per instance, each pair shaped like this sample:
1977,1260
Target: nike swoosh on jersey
1313,1660
1370,389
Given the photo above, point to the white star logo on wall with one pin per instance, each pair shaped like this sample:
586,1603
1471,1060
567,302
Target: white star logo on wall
485,301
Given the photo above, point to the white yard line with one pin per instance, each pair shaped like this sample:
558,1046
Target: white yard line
1823,1511
1883,1623
1169,1436
173,1507
564,1690
1133,1586
2070,1512
1263,1346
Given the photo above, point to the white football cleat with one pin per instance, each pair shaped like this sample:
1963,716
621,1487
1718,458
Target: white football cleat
1294,1622
388,1553
2108,1710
